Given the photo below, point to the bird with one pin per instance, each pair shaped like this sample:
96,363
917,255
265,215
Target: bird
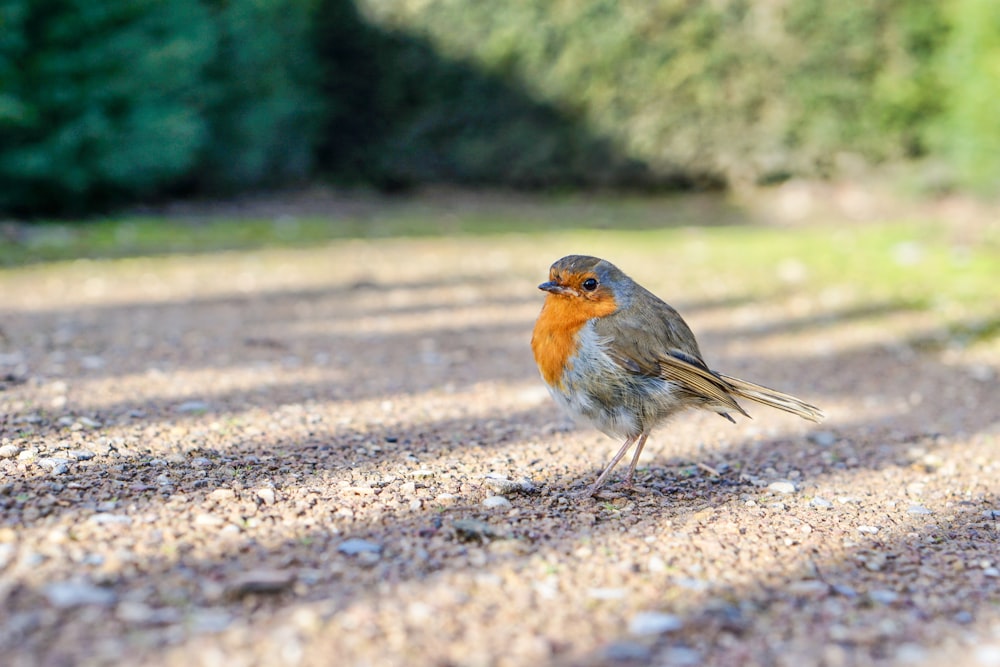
615,355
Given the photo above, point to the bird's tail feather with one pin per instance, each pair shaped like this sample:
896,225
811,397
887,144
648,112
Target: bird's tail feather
772,398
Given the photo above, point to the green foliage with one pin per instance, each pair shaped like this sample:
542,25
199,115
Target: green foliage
968,134
97,99
262,105
402,112
728,90
107,101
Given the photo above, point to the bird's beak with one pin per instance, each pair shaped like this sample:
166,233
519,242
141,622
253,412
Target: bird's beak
554,288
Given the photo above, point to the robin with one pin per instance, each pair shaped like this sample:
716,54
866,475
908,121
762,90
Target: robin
614,354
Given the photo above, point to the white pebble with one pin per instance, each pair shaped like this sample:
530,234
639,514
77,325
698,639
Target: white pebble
51,462
781,487
883,596
75,594
988,656
222,494
209,520
496,502
607,593
209,621
808,588
107,519
871,530
355,546
192,406
654,623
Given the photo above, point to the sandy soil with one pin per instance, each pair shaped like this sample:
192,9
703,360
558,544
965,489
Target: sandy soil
343,456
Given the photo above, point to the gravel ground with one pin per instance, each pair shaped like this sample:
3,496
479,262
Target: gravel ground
343,456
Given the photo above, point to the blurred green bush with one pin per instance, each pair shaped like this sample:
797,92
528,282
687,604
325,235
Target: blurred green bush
106,102
745,90
967,134
98,100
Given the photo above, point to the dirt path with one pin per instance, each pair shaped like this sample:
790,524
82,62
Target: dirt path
299,457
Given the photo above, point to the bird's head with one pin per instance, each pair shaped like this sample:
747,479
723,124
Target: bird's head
589,283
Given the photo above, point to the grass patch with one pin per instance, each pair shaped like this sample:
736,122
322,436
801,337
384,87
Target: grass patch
357,217
701,244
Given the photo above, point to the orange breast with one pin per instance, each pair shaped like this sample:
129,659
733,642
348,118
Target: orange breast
554,339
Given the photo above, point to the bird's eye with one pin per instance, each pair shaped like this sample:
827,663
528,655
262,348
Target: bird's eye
590,284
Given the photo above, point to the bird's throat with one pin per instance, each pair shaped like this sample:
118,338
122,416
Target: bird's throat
554,340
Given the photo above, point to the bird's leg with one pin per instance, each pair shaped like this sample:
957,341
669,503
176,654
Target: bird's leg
635,459
611,466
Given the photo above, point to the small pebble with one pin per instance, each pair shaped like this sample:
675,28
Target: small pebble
80,454
871,530
845,591
918,509
808,588
209,520
200,462
422,473
8,451
502,485
209,621
355,546
991,572
625,651
988,655
821,503
105,519
261,581
88,422
192,406
910,654
822,438
681,656
992,514
55,465
76,594
607,593
654,623
220,495
472,529
883,596
266,495
27,454
496,502
142,614
782,486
